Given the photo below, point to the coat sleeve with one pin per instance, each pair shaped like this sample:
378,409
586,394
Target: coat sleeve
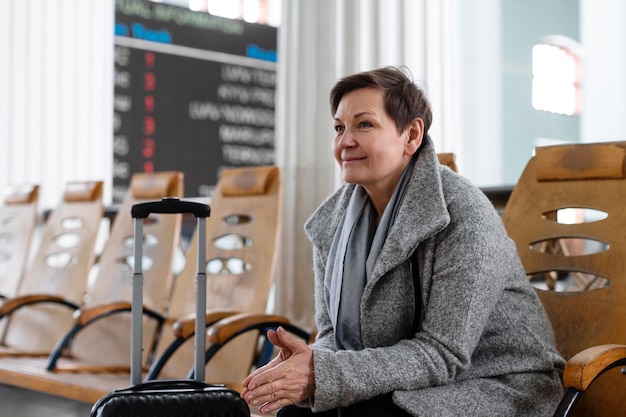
325,338
465,268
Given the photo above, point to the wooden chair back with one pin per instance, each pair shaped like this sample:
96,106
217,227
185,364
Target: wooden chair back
448,159
18,220
59,267
578,265
106,343
242,240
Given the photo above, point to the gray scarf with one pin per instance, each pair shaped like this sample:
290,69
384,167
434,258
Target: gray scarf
354,251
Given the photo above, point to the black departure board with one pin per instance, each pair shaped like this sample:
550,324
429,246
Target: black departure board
193,93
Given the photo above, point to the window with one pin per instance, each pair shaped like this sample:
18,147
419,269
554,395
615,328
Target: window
265,12
556,65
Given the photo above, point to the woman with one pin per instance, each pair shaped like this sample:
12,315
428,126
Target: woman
422,304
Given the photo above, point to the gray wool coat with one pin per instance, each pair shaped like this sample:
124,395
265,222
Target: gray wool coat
484,346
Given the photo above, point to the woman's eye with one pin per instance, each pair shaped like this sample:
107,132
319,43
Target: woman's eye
338,129
363,125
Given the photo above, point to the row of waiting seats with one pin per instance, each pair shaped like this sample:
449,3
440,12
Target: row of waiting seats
582,291
66,330
567,217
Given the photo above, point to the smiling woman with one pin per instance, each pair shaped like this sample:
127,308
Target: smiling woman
422,304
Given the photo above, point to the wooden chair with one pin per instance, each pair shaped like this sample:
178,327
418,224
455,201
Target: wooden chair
579,267
38,315
242,240
99,340
18,220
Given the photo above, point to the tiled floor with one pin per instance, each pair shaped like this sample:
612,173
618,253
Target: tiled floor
16,402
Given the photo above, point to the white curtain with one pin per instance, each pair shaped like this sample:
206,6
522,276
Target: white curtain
319,42
56,93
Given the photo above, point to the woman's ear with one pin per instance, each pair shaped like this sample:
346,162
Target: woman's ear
415,135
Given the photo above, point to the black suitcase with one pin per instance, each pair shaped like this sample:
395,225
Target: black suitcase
170,397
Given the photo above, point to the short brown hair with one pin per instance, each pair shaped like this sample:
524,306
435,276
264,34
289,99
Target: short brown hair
404,101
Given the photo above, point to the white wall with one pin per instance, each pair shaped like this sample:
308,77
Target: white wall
56,93
603,36
480,131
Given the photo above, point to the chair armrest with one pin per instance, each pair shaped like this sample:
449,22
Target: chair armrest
84,317
184,328
223,331
227,329
11,304
584,367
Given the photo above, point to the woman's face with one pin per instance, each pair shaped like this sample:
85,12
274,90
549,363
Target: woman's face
367,146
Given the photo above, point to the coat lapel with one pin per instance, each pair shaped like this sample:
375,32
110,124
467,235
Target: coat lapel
423,214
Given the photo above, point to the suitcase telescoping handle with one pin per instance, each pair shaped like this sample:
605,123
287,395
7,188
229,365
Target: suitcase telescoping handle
170,205
140,212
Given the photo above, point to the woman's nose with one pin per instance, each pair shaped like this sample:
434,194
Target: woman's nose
346,140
